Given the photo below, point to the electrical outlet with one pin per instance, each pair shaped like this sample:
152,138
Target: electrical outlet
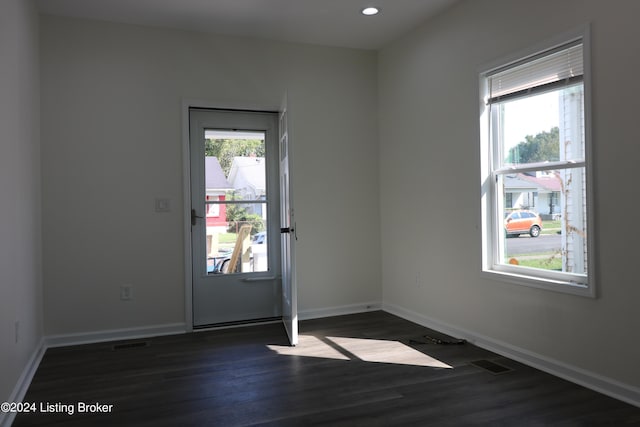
125,292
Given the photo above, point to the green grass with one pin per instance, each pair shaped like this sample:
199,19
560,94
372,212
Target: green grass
227,238
550,227
554,263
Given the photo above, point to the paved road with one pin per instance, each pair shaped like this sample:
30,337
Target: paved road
524,244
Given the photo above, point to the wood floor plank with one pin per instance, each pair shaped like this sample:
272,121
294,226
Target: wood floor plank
347,371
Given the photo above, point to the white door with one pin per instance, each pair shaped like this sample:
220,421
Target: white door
288,234
235,233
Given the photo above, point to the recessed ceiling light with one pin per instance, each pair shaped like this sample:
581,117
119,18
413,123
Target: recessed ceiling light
370,11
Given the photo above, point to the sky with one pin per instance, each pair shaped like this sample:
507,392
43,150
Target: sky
519,123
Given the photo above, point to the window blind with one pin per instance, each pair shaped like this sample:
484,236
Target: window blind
561,66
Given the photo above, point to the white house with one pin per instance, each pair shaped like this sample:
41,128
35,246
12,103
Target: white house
247,176
538,192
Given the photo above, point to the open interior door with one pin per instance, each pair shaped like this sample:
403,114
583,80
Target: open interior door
287,232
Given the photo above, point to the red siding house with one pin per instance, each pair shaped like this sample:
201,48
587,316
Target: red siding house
216,186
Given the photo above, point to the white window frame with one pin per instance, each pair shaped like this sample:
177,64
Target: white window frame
491,227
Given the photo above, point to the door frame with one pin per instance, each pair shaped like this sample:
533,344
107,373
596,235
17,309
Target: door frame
186,185
246,296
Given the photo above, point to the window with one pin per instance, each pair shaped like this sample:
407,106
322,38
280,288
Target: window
508,200
213,210
535,139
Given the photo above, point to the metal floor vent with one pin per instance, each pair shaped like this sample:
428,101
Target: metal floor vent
490,366
128,345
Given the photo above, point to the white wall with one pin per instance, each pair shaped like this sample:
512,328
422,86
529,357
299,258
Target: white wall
20,238
430,189
111,126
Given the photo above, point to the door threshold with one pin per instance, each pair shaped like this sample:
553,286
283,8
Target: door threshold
237,324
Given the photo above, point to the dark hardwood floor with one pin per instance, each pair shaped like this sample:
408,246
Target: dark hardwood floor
371,369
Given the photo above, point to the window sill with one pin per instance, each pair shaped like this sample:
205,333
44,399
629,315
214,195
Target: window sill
562,286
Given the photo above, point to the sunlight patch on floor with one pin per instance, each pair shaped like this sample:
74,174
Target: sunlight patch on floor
309,346
367,350
383,351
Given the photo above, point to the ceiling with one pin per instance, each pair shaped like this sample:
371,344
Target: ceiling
323,22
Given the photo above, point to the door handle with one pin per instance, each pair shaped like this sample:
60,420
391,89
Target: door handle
194,217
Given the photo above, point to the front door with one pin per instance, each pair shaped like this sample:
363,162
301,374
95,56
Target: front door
235,232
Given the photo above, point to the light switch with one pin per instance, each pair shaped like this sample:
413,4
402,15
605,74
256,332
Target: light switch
163,205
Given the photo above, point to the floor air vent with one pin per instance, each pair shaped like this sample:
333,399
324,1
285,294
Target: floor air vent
490,366
128,345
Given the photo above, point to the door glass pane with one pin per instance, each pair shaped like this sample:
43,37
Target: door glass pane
240,244
235,202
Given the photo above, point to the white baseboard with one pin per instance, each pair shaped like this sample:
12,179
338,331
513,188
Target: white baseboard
24,381
339,311
114,335
613,388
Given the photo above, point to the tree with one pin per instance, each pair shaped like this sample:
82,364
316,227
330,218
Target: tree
542,147
238,215
226,149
